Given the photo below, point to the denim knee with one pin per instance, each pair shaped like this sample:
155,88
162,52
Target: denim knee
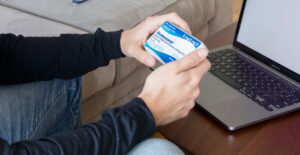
156,146
38,109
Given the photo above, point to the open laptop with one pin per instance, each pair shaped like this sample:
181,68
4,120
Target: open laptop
256,78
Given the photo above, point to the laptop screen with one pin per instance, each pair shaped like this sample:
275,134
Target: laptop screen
271,29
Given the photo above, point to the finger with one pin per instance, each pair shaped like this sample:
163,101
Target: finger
143,57
190,61
177,20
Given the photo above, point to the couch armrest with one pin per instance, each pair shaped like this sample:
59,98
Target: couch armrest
223,16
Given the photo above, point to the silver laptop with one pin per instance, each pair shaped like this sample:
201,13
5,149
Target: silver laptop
256,78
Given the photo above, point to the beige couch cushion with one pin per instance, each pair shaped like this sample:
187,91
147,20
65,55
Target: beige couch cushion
117,95
107,14
97,80
196,12
223,16
17,22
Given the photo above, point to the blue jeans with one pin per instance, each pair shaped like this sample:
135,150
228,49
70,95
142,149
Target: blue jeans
39,109
156,146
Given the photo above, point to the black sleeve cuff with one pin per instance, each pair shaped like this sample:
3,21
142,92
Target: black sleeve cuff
110,42
141,113
139,108
132,120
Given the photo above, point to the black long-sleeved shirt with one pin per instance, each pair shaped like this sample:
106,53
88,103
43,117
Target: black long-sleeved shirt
28,59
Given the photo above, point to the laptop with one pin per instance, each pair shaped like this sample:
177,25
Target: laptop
257,78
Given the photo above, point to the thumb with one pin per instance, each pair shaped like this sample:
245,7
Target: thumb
191,60
145,58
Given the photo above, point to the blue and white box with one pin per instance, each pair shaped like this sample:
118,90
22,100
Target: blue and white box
170,43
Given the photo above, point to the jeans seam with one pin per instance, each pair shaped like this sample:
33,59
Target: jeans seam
74,123
75,119
43,117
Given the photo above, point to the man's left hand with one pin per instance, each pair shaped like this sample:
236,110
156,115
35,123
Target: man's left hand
133,40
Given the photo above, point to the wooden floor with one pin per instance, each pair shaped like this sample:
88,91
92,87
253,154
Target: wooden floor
237,4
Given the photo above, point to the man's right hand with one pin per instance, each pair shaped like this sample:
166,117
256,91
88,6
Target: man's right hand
170,91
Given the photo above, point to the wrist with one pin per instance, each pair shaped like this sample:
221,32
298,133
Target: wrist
123,42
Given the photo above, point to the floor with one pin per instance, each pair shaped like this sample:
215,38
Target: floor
236,8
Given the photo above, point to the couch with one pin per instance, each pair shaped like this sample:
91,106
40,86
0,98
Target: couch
123,78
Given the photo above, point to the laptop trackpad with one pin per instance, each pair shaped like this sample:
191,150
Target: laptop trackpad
215,91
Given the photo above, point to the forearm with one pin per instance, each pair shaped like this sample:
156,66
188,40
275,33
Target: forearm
27,59
119,130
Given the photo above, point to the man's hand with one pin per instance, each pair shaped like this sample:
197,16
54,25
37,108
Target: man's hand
170,90
133,40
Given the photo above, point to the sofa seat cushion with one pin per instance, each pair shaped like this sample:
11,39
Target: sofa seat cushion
115,96
197,13
98,80
20,23
107,14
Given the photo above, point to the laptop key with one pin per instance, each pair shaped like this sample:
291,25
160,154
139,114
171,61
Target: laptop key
267,107
260,99
278,103
226,79
263,87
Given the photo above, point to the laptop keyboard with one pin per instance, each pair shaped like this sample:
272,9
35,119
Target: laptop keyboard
262,86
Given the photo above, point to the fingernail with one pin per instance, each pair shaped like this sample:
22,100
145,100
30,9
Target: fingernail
202,53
